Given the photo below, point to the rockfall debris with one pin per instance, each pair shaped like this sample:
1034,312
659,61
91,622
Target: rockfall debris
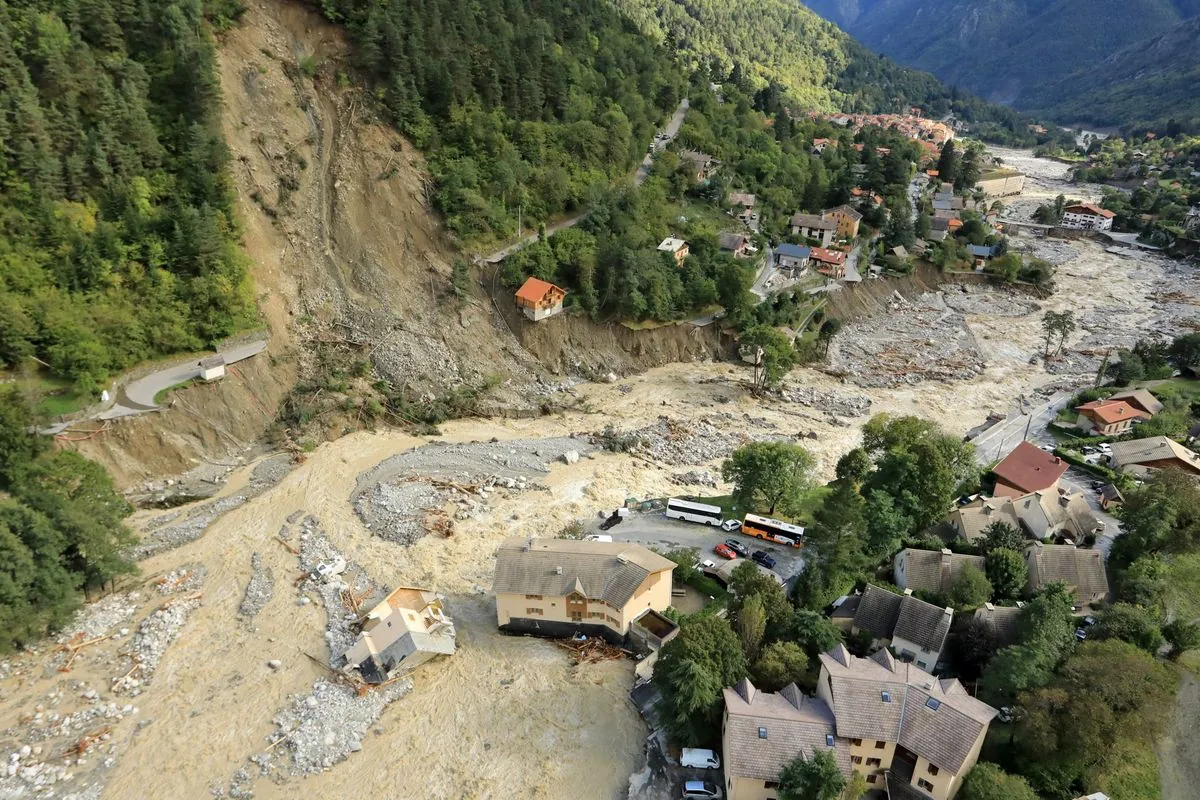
259,590
151,640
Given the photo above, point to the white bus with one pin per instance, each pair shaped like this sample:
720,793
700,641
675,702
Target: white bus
693,512
773,530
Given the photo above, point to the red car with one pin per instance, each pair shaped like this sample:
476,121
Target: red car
725,551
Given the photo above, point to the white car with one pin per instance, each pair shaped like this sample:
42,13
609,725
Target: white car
703,564
700,790
731,524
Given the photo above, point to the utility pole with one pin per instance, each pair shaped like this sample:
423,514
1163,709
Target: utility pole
1100,374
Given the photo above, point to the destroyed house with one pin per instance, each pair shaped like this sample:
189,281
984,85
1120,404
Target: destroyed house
404,631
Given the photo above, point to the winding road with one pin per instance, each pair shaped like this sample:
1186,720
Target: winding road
639,177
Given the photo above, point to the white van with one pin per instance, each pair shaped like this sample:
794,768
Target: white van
699,759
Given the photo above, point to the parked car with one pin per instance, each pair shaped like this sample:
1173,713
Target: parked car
764,558
598,537
725,551
737,547
1097,485
1080,634
731,525
699,758
700,790
703,564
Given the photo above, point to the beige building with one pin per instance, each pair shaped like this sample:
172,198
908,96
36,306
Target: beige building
1001,183
558,587
676,247
916,630
407,629
761,733
931,570
1141,456
1037,514
845,218
906,729
813,226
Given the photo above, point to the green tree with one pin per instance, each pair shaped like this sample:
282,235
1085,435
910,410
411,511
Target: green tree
948,162
1001,536
779,664
1129,368
834,548
1182,636
1007,572
970,589
749,582
1184,352
813,631
814,778
988,782
1134,624
751,625
768,474
692,670
775,355
854,466
1047,637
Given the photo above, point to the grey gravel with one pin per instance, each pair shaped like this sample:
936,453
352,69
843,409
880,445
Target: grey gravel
259,590
697,442
151,640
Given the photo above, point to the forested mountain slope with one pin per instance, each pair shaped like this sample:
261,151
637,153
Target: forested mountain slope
818,64
116,218
1026,53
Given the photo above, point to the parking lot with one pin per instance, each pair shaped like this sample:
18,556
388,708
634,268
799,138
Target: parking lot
653,529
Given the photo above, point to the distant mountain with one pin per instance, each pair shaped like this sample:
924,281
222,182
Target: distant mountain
1026,53
820,66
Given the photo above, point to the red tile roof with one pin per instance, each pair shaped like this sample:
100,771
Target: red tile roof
1029,469
1109,411
534,289
828,256
1091,208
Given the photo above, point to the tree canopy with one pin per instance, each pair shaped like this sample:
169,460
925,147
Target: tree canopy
768,475
692,670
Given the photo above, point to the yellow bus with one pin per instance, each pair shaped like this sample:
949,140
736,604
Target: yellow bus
773,530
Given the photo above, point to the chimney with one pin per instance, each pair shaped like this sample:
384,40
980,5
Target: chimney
908,592
558,570
989,606
946,569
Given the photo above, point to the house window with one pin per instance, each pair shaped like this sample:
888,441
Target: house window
596,615
762,733
880,745
885,697
770,785
933,770
933,704
856,742
855,759
924,784
872,778
533,597
874,762
534,612
829,740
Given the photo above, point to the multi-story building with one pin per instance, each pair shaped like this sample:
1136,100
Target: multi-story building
905,727
1087,217
560,587
916,630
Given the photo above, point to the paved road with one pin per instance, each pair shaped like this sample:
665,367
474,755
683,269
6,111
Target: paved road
137,397
852,274
765,273
1077,480
655,530
639,177
998,440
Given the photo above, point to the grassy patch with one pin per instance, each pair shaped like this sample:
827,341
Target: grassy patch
162,395
55,396
1183,590
1186,388
805,509
1131,773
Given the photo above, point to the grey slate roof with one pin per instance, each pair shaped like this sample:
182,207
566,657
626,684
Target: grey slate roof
923,569
1139,398
812,221
608,571
732,241
888,615
1155,448
212,361
1005,622
795,725
1081,570
944,736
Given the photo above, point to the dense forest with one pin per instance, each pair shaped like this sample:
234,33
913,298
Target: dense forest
61,528
816,63
520,106
117,233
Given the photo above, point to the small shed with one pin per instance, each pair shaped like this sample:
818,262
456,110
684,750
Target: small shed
212,368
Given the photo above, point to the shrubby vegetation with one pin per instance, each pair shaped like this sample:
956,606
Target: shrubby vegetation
61,528
118,227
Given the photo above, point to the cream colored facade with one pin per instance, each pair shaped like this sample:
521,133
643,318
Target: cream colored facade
416,616
923,658
751,789
1002,184
654,592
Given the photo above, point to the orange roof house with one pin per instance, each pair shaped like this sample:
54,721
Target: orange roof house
539,299
829,262
1026,470
1107,417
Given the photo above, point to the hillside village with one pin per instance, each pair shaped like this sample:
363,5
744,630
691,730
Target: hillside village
807,455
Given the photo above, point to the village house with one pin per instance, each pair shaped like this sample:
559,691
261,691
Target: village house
1003,621
1038,515
1107,417
1082,570
404,631
939,228
742,200
676,247
931,570
1087,217
981,253
910,733
212,367
819,145
1027,469
736,243
539,299
813,226
702,165
560,587
1140,399
763,732
914,629
792,257
845,218
831,263
1141,456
